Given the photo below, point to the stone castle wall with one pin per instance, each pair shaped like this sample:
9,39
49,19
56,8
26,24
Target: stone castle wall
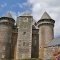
24,42
5,41
24,37
46,34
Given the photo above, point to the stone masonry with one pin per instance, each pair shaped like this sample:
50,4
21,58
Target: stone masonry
25,38
6,24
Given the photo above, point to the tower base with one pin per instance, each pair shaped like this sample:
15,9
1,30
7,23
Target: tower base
29,59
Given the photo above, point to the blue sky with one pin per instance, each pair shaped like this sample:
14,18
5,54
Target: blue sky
35,7
13,5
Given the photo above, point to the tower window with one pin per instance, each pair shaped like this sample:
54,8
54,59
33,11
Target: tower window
3,56
23,43
24,33
3,48
23,55
35,41
25,19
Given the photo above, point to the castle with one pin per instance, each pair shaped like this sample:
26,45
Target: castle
26,38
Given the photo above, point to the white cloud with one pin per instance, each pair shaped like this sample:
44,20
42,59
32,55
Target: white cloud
3,5
51,6
36,6
19,14
14,14
19,5
22,5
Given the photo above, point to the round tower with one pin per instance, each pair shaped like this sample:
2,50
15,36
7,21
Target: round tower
46,32
6,24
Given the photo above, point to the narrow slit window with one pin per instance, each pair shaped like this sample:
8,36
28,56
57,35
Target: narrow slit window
24,33
23,43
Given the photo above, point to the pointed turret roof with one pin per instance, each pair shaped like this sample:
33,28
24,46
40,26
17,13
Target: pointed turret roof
8,14
26,13
45,16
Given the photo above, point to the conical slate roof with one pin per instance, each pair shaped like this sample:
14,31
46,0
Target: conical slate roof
26,13
45,16
54,42
8,14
